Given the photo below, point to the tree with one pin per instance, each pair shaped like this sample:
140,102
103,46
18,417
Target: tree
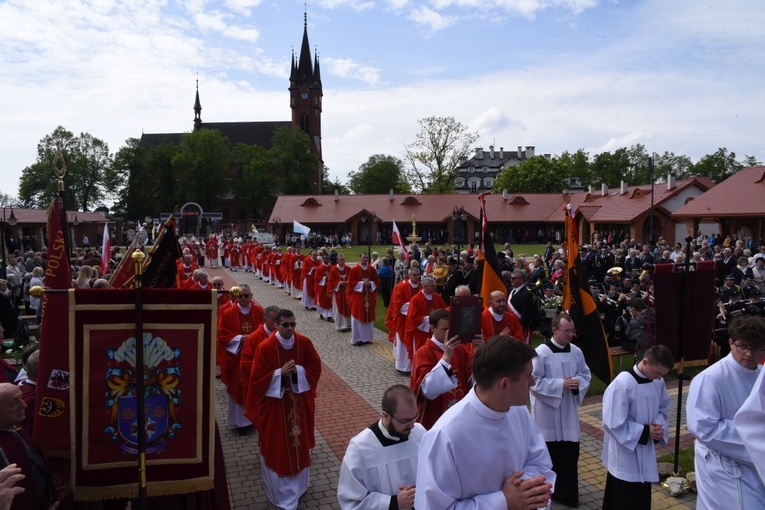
329,186
576,165
138,184
434,158
718,166
535,175
159,165
610,168
379,175
202,166
750,161
293,161
253,177
89,171
7,200
669,163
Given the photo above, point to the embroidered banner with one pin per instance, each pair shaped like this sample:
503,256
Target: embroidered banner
179,365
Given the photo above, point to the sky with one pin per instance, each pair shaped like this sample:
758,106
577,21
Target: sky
684,76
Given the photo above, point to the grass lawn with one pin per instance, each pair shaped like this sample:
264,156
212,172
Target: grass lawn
352,254
685,459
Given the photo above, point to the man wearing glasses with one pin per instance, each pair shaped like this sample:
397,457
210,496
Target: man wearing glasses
725,472
281,404
234,325
380,465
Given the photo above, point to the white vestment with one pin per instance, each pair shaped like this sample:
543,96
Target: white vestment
725,474
556,410
362,332
628,407
466,457
376,465
749,424
401,355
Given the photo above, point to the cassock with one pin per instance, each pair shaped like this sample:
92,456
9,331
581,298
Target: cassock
418,318
287,270
283,410
306,277
211,251
439,385
363,301
630,404
748,422
29,396
493,324
375,466
234,325
296,290
556,411
341,309
714,398
464,460
395,321
323,291
249,345
18,448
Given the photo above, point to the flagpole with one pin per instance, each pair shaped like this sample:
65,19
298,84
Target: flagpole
138,257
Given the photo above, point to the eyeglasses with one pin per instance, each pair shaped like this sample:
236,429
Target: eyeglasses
288,324
405,422
217,285
743,349
246,296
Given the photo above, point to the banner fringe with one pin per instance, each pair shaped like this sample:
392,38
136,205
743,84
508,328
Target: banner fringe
152,490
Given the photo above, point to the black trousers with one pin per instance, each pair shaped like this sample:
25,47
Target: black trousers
621,495
565,458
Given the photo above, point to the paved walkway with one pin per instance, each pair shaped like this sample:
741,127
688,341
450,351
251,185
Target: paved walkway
352,382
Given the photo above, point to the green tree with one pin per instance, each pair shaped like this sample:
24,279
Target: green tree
253,175
751,161
138,185
535,175
293,161
669,163
576,165
7,200
434,157
718,166
202,166
89,174
159,169
329,186
379,175
611,168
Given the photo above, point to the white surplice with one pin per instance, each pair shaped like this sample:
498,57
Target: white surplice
376,465
471,450
725,474
748,422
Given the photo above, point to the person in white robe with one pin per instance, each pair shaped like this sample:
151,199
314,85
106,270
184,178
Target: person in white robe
635,409
486,452
562,379
380,464
748,423
726,476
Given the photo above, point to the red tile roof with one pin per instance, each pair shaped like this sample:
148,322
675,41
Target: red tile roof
742,194
40,216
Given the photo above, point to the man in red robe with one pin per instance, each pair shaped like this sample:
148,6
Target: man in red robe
186,266
251,344
223,297
296,289
281,404
395,321
363,283
496,320
287,269
276,267
338,282
420,307
323,291
211,251
234,325
306,277
236,257
441,371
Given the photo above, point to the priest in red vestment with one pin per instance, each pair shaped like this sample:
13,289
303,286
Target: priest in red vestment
211,251
441,371
420,307
496,320
251,344
281,404
296,290
395,321
234,325
306,277
323,292
287,269
338,282
363,283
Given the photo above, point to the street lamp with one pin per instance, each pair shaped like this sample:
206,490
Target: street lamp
458,214
12,222
370,218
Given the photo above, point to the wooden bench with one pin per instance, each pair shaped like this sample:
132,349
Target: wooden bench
617,351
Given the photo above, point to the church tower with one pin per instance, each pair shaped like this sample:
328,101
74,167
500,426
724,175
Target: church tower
197,111
305,99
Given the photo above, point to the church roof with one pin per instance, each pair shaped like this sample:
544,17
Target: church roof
741,194
252,133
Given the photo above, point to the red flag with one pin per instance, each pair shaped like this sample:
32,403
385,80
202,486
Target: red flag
53,401
399,240
106,250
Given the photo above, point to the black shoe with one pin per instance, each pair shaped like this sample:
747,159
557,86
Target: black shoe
330,319
321,317
244,431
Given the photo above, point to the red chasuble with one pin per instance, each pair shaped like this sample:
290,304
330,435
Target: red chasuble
323,292
337,275
306,275
491,327
403,293
233,322
285,425
297,268
419,309
363,303
247,354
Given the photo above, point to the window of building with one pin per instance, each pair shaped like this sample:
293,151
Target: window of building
488,182
485,169
471,169
474,183
460,182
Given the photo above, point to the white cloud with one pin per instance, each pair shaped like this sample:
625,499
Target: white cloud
358,133
433,20
356,5
243,7
347,68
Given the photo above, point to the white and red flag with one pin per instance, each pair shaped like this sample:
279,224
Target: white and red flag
106,250
399,240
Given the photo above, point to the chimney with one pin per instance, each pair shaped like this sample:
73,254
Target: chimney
671,181
479,153
529,151
590,189
623,188
501,153
337,195
491,151
390,195
603,189
520,152
504,194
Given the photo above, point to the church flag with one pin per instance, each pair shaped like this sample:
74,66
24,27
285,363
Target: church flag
577,300
397,239
160,269
53,399
106,250
300,228
491,279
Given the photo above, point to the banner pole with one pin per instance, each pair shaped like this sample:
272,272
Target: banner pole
138,257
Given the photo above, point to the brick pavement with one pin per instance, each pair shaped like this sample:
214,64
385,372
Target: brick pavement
348,399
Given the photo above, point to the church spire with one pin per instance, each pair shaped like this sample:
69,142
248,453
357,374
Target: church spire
197,110
305,66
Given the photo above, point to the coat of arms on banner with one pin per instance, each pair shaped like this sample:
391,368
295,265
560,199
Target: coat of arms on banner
162,377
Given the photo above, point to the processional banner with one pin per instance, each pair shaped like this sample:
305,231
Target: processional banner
178,328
